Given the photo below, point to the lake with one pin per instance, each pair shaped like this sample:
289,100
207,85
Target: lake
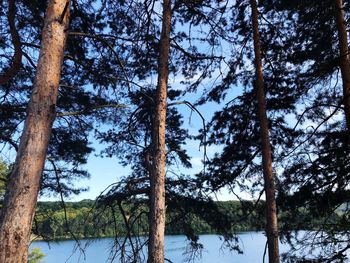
98,250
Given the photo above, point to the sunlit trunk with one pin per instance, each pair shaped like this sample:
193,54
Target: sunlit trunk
23,187
157,208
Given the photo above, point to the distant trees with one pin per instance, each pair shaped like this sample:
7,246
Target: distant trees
87,221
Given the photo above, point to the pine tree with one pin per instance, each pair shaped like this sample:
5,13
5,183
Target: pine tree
344,58
269,181
315,173
158,150
24,184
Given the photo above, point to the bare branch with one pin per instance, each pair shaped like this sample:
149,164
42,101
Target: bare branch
204,141
17,56
90,109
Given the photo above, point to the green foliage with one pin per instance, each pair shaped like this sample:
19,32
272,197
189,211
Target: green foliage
4,174
35,256
86,220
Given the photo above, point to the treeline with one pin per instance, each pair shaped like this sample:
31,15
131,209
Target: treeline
84,219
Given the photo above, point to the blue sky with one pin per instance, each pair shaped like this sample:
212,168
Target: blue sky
106,171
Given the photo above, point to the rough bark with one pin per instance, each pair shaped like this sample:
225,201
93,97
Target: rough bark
157,197
23,187
271,210
344,59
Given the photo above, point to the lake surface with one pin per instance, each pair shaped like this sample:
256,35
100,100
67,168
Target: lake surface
98,250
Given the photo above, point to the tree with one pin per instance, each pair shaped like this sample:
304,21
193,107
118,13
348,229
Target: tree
271,208
344,58
252,125
84,97
24,183
132,141
158,150
315,171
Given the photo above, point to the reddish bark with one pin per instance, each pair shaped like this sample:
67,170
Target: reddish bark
271,209
344,59
157,208
23,187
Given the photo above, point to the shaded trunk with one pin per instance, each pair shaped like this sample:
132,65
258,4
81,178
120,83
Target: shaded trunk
344,59
157,208
23,187
271,210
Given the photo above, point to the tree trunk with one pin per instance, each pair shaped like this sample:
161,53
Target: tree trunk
271,210
344,59
23,187
157,208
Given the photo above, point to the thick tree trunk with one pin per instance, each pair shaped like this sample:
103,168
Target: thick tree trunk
271,210
344,59
157,209
23,187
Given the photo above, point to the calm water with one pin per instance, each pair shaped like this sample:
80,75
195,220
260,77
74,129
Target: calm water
98,250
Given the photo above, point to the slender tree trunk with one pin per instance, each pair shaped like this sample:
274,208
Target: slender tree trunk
157,209
271,210
23,187
344,59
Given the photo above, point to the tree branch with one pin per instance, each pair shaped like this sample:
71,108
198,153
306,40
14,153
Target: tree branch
90,109
17,56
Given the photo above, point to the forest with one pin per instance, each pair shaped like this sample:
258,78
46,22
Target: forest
140,78
82,218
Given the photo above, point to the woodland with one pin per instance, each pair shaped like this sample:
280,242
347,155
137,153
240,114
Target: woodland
122,73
